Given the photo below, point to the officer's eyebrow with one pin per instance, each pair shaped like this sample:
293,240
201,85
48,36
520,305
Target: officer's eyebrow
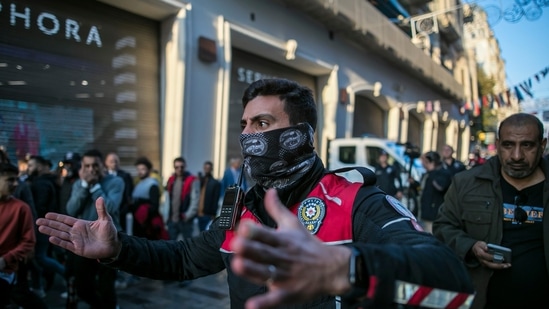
258,117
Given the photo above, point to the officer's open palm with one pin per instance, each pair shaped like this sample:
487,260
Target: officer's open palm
91,239
294,264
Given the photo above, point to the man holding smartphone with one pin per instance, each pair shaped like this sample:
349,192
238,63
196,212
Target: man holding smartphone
495,212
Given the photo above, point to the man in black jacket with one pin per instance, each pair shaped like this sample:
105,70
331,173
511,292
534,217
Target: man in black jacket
45,193
210,189
305,235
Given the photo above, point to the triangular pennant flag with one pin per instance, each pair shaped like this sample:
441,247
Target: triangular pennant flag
527,89
463,107
429,107
498,100
508,96
518,94
485,101
544,71
420,106
502,100
436,106
537,78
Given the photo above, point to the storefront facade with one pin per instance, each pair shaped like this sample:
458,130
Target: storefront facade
174,89
77,76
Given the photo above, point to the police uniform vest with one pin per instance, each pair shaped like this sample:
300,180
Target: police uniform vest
326,212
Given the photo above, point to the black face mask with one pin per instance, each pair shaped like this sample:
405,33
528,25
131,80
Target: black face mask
278,158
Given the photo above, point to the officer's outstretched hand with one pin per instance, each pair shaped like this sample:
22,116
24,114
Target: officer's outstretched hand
91,239
294,264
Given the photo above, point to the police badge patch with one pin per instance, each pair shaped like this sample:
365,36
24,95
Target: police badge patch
403,210
399,207
310,213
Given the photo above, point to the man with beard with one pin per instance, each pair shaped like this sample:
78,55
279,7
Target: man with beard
306,236
95,282
502,202
183,194
146,202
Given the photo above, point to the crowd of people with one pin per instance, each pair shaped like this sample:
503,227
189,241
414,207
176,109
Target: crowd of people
132,199
305,236
425,195
267,267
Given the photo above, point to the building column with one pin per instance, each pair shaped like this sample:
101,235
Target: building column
394,123
172,98
452,134
465,140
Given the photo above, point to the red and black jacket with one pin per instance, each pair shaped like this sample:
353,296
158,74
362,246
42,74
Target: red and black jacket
382,230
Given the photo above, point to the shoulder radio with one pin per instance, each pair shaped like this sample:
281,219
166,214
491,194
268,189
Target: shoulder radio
232,205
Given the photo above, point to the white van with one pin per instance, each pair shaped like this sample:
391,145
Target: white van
364,151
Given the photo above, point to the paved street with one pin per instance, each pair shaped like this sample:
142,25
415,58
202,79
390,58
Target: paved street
207,292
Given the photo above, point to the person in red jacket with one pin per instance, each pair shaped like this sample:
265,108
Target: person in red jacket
17,238
183,196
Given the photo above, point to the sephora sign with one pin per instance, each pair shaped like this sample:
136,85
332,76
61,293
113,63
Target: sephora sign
51,25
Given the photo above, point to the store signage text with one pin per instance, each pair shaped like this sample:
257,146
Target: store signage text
250,76
50,25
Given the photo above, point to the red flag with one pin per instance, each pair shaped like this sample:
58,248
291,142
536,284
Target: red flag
484,101
429,107
476,109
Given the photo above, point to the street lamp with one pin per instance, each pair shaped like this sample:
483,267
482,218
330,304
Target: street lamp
426,23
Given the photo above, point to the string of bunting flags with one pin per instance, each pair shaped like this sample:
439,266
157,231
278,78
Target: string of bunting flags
496,100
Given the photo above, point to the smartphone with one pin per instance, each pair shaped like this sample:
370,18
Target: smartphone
231,208
501,254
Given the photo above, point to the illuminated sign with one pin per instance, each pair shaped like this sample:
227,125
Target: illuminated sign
50,24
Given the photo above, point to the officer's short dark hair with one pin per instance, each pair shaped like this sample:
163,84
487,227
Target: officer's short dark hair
299,102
